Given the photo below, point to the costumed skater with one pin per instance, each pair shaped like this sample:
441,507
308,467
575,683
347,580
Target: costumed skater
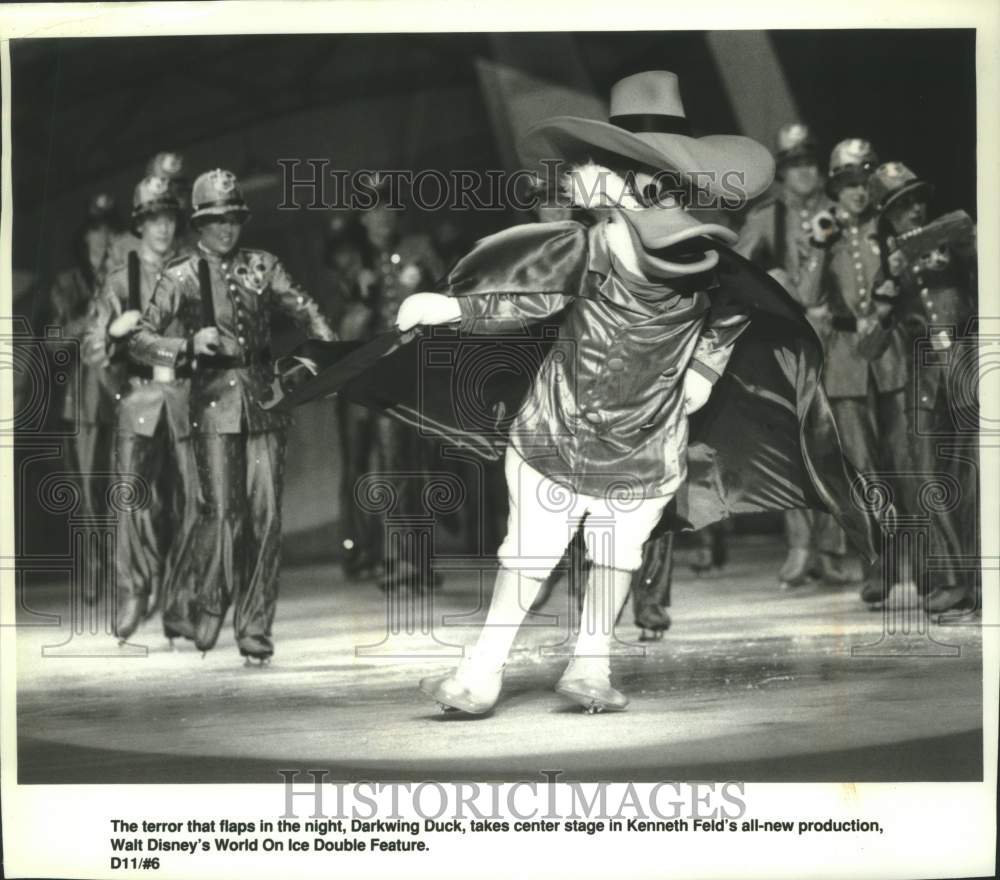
867,396
153,427
643,314
89,403
932,298
212,311
608,428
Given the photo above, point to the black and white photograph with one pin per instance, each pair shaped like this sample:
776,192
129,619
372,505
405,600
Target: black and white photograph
580,407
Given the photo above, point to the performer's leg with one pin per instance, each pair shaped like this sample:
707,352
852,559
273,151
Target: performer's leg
261,547
536,537
178,584
856,422
798,534
215,554
138,559
954,528
587,679
651,587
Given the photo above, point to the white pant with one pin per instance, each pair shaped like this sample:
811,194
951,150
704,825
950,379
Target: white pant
544,516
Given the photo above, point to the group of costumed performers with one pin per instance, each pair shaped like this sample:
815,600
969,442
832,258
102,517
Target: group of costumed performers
692,392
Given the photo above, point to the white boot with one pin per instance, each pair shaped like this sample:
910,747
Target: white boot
474,687
587,679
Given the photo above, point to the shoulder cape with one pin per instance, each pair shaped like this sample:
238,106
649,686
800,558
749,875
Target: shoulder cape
766,440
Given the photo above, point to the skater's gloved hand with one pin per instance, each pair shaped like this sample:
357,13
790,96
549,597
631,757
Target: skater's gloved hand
427,308
697,390
206,341
124,324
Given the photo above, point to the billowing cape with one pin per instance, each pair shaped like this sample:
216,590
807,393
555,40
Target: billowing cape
766,440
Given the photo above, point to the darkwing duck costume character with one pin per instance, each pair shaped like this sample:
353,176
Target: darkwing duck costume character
645,313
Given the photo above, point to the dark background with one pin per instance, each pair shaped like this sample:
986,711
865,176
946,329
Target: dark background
89,113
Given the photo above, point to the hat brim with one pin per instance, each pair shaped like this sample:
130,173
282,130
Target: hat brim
732,167
906,189
848,177
219,210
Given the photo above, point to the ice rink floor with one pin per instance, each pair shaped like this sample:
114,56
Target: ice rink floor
750,683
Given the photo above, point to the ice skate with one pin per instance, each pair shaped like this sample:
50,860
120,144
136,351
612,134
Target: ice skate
590,689
472,688
259,648
130,614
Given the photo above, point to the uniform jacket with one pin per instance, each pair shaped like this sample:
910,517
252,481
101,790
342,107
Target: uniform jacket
89,400
248,287
840,277
937,296
776,235
612,411
140,400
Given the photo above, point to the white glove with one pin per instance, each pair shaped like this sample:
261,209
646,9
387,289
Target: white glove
697,390
427,308
124,324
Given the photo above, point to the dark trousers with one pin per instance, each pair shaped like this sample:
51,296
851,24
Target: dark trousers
944,445
233,550
150,536
90,454
874,436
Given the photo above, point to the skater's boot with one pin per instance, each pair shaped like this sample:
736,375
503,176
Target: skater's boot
131,612
830,570
653,621
795,571
255,647
587,682
587,679
875,590
177,622
207,627
473,687
950,598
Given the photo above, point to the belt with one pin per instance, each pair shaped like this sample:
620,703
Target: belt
143,371
845,323
234,362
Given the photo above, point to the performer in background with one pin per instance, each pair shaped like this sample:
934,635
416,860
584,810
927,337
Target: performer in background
222,298
399,265
153,427
170,167
776,238
932,298
353,295
89,402
867,396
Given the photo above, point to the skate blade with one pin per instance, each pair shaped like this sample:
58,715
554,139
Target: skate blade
591,704
450,705
651,635
256,662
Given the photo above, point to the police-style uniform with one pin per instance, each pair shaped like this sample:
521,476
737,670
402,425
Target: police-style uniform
934,307
837,280
775,237
89,400
152,438
233,551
